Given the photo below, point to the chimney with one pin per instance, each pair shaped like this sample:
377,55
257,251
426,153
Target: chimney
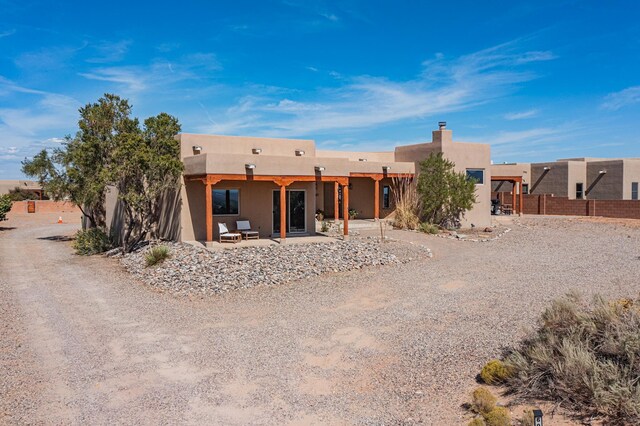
442,136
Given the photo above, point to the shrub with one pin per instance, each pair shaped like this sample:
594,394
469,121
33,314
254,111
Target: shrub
478,421
499,416
527,418
353,213
325,227
428,228
483,400
91,241
156,255
5,206
583,355
494,372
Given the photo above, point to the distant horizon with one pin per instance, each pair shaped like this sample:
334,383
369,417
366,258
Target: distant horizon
534,80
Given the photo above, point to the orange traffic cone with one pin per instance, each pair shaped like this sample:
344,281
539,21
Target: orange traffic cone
60,219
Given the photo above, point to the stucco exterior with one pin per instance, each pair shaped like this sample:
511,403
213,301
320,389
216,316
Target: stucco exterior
601,178
256,167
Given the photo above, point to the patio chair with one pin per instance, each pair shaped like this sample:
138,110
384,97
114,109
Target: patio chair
245,229
225,235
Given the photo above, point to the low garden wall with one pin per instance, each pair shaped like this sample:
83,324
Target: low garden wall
44,206
551,205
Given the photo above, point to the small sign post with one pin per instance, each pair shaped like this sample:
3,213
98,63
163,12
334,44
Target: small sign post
537,417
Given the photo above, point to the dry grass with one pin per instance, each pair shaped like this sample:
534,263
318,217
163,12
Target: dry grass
407,203
584,356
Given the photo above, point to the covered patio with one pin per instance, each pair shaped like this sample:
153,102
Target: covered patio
281,187
516,192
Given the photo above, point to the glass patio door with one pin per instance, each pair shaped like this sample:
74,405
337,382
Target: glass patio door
295,211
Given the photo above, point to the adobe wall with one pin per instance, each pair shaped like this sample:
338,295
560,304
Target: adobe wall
546,204
256,206
631,174
46,206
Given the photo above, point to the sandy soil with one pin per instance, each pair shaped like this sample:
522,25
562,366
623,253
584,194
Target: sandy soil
82,342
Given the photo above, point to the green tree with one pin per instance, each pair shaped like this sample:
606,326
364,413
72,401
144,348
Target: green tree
79,170
110,149
445,194
21,194
5,206
146,165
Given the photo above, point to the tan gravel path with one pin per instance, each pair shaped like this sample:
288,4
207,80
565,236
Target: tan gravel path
82,343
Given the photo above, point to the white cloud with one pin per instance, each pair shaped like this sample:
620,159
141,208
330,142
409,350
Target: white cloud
521,115
366,102
133,78
109,51
615,101
7,33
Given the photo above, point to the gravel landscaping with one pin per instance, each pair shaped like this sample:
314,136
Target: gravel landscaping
399,343
191,269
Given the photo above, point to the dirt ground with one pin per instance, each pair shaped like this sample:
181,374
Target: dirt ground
82,343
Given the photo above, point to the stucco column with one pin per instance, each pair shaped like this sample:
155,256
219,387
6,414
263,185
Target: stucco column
209,212
283,213
376,198
336,201
345,209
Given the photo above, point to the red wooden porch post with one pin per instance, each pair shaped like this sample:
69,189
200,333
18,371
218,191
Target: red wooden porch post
283,212
345,208
336,201
513,196
209,212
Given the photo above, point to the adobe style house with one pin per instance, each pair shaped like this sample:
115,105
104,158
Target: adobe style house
6,186
574,178
279,184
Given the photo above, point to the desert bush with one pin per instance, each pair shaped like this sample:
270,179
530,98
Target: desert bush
428,228
527,419
407,203
5,206
156,255
585,356
478,421
483,400
499,416
324,226
494,372
91,241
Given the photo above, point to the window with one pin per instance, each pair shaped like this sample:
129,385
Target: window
386,195
634,190
226,201
477,175
525,188
579,191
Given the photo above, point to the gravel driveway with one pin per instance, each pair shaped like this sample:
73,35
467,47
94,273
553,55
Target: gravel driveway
82,342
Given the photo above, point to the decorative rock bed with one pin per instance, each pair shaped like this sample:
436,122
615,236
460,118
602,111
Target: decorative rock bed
191,269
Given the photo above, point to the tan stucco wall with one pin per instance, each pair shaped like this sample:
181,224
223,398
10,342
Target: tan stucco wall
256,205
465,156
9,185
576,173
383,157
217,144
631,174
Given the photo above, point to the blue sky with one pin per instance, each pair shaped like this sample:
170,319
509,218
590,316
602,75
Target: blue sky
537,80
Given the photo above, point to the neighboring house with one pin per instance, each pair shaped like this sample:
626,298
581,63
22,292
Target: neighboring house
26,185
279,184
575,178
